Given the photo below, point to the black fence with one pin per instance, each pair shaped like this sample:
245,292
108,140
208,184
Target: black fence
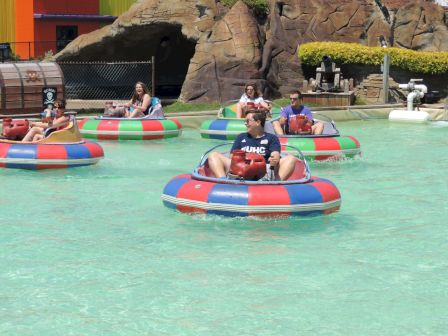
105,80
89,84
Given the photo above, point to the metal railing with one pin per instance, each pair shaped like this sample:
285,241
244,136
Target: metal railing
31,50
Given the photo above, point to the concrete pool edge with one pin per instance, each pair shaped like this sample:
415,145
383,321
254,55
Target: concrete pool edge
343,113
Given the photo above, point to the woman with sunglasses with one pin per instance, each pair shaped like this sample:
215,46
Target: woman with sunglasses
295,109
255,141
251,99
37,129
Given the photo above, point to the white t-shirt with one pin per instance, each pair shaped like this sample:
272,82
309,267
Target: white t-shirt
245,99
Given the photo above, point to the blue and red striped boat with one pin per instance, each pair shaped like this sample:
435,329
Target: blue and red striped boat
61,149
300,195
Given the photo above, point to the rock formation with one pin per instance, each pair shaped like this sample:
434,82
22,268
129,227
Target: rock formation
211,51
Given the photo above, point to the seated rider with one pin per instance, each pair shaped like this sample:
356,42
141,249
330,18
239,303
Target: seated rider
251,99
140,102
37,129
297,118
255,141
111,109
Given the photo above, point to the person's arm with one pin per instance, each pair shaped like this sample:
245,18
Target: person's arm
275,148
282,121
264,104
61,121
40,124
283,116
274,159
277,127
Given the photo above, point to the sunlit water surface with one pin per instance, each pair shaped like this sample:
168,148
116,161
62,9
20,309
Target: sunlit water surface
93,251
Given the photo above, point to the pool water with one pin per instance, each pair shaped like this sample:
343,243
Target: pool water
93,251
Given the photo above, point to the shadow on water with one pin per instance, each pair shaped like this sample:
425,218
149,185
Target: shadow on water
303,225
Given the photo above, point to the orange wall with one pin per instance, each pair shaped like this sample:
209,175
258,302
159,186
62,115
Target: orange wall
28,30
24,27
46,31
66,6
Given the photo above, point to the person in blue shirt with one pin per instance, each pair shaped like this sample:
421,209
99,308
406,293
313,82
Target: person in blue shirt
296,108
255,140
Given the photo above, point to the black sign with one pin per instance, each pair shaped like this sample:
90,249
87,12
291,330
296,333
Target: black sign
4,46
49,95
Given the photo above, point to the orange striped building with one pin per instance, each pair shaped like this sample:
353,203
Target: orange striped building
34,27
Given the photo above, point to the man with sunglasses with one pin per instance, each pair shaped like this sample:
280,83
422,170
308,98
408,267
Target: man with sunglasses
296,110
255,140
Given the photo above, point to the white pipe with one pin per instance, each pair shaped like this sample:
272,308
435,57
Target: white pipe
411,96
421,88
412,86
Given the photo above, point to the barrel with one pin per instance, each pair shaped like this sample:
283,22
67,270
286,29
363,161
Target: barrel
22,85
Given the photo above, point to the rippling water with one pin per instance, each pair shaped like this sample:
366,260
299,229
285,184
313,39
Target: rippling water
92,250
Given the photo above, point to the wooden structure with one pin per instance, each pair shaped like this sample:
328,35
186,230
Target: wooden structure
329,98
329,88
22,85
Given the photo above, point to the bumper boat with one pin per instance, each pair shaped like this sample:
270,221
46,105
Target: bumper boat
300,195
111,128
227,126
59,149
329,145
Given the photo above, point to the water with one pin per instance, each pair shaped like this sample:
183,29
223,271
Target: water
92,250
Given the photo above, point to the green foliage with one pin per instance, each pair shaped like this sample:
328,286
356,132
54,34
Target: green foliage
359,101
430,62
282,102
258,6
48,56
13,57
190,107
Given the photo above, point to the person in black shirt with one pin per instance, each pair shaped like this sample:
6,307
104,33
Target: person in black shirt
255,141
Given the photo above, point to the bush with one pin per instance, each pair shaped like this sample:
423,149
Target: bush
428,62
258,6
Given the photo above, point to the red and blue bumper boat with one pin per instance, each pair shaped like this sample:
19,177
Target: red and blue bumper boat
59,149
300,195
328,146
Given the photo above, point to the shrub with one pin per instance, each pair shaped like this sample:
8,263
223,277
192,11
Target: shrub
258,6
429,62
